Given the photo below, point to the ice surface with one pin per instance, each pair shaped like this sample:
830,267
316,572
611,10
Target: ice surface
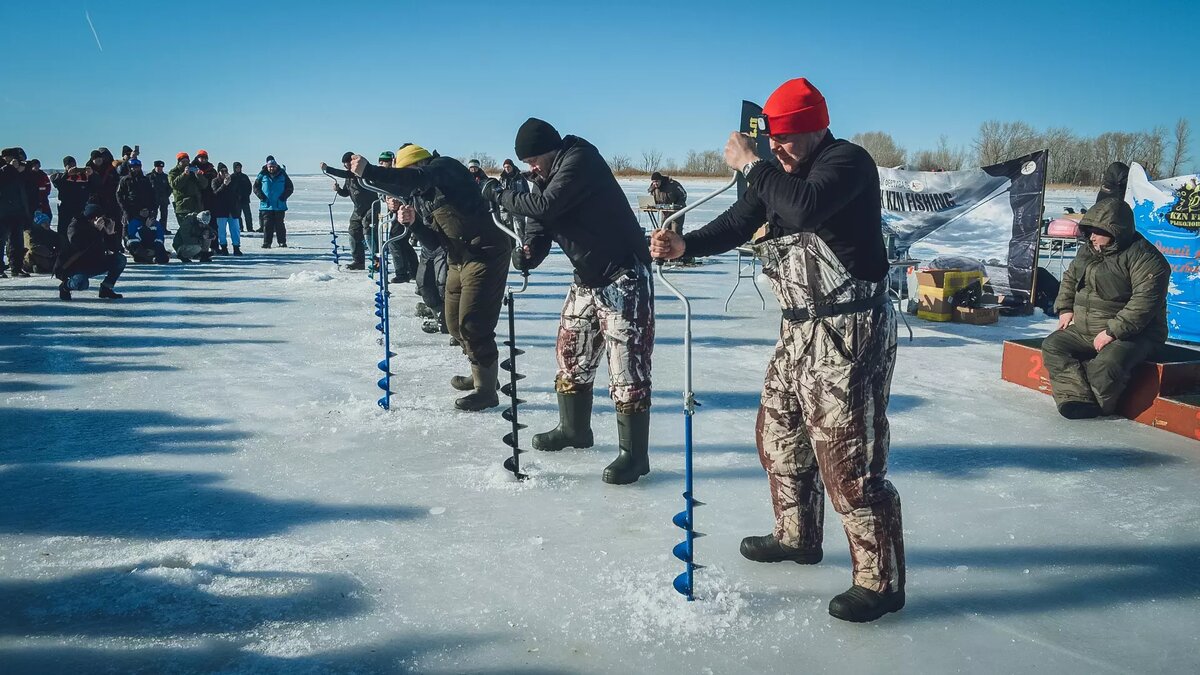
197,478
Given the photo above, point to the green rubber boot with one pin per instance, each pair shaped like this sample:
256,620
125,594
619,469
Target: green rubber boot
574,428
633,462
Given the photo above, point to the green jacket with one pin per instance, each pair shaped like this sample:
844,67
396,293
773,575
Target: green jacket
187,190
1121,289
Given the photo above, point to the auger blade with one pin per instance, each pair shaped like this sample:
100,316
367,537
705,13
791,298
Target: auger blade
511,467
508,440
681,584
683,551
379,326
518,352
382,403
379,312
391,354
385,383
507,389
508,414
383,365
681,520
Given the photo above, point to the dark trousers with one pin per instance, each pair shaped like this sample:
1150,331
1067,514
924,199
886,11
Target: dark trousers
1079,373
13,228
474,292
111,268
403,257
247,221
271,223
162,212
432,270
357,238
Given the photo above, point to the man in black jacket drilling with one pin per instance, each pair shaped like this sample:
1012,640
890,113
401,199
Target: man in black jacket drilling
576,202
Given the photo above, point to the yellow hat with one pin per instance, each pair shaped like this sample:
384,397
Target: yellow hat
410,154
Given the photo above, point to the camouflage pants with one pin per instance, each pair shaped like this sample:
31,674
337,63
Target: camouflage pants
619,319
822,425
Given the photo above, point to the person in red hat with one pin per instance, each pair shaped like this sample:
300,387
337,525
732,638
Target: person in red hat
822,419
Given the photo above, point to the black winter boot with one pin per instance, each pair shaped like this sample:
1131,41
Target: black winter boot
237,250
484,396
107,291
357,265
633,462
462,383
574,428
769,549
64,293
861,605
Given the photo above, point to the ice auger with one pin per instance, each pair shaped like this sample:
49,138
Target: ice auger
332,228
513,439
685,549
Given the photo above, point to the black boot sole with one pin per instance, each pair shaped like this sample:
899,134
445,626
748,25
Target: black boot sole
895,603
799,556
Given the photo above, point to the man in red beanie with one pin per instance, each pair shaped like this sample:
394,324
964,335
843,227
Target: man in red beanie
822,421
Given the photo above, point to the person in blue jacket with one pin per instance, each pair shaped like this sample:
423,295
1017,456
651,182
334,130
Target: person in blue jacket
272,187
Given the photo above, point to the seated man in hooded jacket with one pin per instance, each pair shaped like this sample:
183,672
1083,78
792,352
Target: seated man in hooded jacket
1112,308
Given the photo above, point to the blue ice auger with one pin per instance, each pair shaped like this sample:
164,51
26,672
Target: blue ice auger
685,550
381,308
332,227
512,439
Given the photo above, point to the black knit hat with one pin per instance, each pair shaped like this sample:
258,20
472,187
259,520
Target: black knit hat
536,137
346,157
656,176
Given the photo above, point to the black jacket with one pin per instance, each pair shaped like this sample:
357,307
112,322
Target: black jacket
225,199
85,251
15,199
135,193
162,187
457,210
835,195
73,193
362,198
243,187
581,206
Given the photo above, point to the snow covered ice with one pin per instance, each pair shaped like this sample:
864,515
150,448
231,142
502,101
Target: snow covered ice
196,478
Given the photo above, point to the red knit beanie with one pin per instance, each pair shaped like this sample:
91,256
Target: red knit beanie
796,107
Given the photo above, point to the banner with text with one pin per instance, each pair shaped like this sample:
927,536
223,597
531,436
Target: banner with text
992,213
1167,213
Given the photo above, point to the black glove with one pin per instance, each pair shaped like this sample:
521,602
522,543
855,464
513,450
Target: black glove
490,189
519,261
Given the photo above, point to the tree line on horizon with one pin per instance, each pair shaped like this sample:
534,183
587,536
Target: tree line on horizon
1074,159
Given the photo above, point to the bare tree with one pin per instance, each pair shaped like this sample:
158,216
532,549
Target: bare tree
1183,136
881,146
486,162
620,164
943,158
707,163
999,141
652,160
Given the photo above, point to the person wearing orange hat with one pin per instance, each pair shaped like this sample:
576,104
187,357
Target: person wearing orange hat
822,420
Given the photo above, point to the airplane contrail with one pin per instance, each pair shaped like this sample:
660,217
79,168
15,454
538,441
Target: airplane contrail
93,27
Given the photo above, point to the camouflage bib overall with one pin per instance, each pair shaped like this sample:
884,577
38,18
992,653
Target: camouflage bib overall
822,423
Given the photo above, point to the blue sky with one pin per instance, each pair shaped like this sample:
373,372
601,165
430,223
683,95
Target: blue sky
306,81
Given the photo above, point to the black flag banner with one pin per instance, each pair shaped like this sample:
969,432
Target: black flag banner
753,124
962,212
